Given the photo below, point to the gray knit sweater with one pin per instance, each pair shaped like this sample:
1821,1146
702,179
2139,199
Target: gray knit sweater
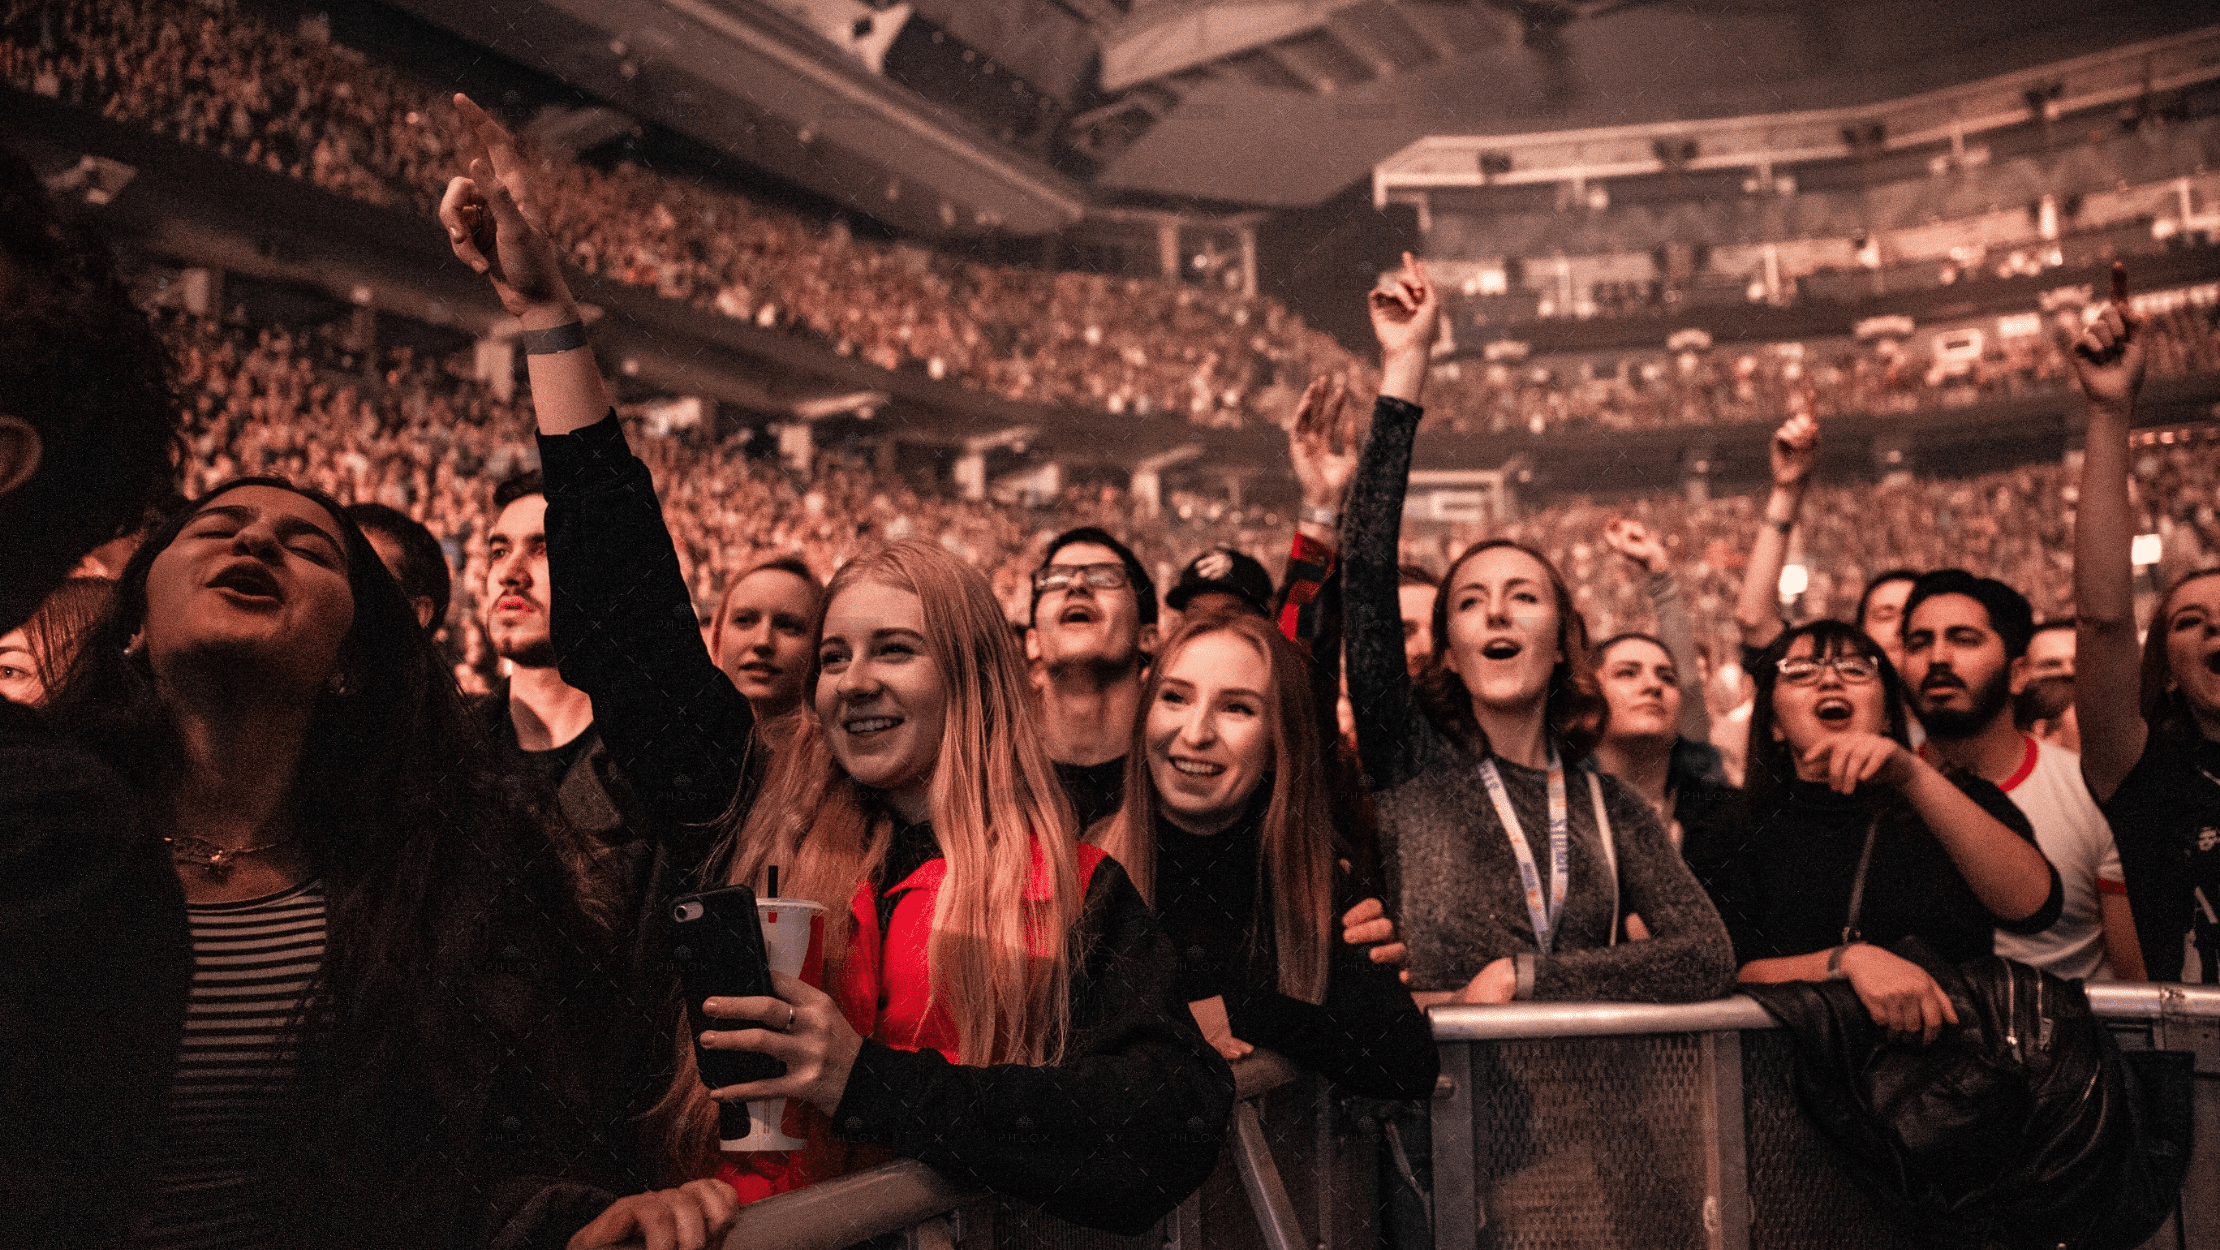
1452,879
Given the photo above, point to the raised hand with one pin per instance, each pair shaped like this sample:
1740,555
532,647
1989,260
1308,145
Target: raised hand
1406,318
1851,758
1795,450
1324,441
2108,355
1898,993
493,224
1633,540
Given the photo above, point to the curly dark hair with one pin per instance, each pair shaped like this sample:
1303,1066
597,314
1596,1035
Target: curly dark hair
434,872
81,364
1576,709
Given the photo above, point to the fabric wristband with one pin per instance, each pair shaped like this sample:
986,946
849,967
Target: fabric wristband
1313,514
567,337
1522,965
1834,963
1782,527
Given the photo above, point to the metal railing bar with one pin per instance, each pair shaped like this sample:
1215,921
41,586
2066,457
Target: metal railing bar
848,1209
1260,1178
2137,1001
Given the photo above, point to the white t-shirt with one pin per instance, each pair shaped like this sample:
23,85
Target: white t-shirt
2075,838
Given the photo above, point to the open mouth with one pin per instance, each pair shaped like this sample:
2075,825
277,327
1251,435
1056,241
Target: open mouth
1833,711
864,726
1075,614
1197,768
247,578
1501,649
2212,661
756,668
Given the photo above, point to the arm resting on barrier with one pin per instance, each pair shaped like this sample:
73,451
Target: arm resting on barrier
1114,1135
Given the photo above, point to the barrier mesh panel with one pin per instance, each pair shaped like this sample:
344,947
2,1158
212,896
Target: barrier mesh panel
1587,1143
1800,1196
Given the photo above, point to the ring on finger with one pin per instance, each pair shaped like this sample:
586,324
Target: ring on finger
788,1027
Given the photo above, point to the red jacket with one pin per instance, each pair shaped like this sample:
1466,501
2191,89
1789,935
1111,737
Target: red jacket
883,989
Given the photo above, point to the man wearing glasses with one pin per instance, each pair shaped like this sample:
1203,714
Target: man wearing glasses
1093,630
1965,642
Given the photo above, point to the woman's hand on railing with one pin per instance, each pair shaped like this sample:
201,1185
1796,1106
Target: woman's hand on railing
802,1028
1497,983
693,1216
1898,993
1368,924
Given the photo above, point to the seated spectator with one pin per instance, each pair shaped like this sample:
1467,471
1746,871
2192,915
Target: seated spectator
762,632
413,555
1833,784
1227,830
1460,780
35,655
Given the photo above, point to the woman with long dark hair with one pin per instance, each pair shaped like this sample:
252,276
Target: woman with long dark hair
387,1032
1856,843
998,998
1511,868
2149,715
1227,830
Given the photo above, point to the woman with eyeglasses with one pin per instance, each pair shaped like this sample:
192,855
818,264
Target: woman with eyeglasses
1856,843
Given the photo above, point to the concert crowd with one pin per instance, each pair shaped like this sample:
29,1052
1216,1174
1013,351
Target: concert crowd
368,742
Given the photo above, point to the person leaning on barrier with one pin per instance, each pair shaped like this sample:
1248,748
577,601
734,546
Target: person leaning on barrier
2149,717
1001,1001
95,957
1227,831
1845,818
1482,784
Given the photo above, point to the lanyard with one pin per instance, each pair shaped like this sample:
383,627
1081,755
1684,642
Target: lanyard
1543,912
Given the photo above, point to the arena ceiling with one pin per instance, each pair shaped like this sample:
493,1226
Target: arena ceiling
1018,116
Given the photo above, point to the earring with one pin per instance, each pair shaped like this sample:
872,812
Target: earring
137,644
338,685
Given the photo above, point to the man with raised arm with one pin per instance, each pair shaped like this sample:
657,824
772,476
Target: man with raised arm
1965,659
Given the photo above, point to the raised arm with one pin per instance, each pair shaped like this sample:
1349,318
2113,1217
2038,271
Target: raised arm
623,618
1322,444
1794,451
1633,540
1393,739
2108,358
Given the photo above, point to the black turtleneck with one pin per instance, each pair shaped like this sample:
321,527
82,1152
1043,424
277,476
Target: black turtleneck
1367,1036
1786,890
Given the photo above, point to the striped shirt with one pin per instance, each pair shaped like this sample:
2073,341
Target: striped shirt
252,962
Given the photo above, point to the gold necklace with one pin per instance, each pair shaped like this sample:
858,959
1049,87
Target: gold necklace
216,862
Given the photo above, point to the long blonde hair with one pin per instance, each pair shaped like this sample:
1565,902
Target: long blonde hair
1296,842
1000,961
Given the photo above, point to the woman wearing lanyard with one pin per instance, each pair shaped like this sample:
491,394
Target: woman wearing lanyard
1513,876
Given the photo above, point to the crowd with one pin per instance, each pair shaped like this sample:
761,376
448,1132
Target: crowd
304,107
1705,386
299,105
317,938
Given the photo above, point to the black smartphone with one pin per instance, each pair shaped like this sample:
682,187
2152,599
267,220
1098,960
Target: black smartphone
716,942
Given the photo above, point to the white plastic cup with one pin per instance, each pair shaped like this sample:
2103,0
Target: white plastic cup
794,941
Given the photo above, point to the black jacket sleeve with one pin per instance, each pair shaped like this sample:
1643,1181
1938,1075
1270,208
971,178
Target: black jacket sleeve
1367,1037
625,631
1393,738
1114,1135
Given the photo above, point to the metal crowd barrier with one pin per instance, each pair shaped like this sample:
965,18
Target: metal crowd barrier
1553,1125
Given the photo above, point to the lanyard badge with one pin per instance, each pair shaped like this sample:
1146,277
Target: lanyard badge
1542,910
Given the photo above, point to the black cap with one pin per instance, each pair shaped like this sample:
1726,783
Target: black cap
1225,571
